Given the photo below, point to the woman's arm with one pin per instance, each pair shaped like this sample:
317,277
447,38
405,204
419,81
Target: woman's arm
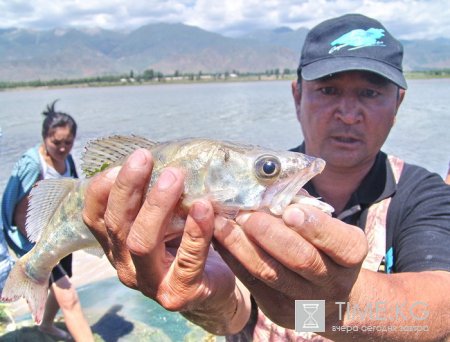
20,214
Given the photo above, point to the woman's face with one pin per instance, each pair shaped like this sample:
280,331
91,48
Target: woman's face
59,143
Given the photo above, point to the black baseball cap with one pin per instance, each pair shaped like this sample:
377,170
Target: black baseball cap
351,42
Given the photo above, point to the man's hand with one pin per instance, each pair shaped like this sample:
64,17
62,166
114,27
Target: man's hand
306,254
130,225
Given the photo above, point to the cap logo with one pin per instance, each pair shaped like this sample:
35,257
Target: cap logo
357,39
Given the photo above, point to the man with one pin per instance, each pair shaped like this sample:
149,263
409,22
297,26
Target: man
381,263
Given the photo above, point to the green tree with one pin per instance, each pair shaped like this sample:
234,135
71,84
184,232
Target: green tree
277,73
148,75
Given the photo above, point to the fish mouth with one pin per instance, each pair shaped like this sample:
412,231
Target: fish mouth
280,195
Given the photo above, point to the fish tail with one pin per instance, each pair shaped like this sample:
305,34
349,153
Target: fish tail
19,285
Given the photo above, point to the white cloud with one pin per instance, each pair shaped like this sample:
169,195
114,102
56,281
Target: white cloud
406,19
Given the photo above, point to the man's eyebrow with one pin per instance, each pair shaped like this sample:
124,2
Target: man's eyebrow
376,79
371,77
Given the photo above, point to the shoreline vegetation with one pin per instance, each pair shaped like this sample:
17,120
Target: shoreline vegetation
150,76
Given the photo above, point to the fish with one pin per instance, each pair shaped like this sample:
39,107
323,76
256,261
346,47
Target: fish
232,176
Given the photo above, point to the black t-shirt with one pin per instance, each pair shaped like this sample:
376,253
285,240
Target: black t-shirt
418,218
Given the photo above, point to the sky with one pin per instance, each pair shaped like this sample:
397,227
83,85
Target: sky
406,19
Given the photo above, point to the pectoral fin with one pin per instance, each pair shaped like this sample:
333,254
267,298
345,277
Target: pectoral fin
45,198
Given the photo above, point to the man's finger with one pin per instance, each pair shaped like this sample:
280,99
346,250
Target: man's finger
298,254
150,225
96,199
127,193
124,203
194,247
345,244
146,238
251,263
186,276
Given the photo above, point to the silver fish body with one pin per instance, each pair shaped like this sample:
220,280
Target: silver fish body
232,176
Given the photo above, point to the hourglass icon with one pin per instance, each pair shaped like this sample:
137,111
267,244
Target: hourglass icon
310,309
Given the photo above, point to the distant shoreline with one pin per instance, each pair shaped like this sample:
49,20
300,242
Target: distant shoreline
134,83
130,81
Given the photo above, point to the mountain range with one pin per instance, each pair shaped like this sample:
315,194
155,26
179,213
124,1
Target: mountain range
27,55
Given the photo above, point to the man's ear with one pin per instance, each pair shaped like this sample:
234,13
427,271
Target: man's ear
296,92
297,95
400,97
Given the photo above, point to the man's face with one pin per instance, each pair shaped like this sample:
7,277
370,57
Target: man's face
346,117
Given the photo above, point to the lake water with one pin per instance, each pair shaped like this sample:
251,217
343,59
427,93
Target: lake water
253,112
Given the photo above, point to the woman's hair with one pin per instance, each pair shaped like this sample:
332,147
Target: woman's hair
55,119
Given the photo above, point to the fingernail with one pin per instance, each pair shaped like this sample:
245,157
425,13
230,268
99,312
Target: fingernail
112,173
166,180
242,218
199,211
293,216
137,159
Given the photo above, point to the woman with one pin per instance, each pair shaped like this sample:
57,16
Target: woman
49,159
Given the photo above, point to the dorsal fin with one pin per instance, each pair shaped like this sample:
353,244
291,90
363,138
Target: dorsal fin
102,153
45,197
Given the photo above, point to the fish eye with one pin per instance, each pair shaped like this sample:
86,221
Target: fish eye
267,167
